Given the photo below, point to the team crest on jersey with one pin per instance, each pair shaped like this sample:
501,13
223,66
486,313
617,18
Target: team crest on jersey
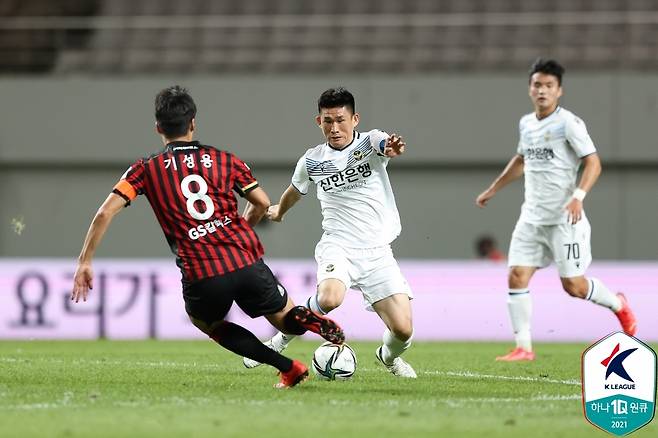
357,154
547,136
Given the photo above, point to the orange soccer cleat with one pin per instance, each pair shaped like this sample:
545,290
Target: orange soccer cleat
297,374
626,317
517,355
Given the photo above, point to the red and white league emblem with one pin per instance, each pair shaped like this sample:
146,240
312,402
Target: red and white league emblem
619,384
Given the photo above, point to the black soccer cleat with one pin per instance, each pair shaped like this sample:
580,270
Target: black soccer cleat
321,325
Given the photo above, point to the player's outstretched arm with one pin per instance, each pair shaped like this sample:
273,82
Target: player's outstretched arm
513,171
84,276
257,205
288,199
395,146
591,172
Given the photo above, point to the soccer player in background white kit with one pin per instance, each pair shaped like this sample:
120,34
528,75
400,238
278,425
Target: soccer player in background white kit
552,144
360,219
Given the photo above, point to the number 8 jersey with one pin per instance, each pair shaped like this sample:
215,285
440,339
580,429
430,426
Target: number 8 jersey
191,190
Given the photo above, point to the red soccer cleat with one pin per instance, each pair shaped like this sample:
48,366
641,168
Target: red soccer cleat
297,374
517,355
321,325
626,316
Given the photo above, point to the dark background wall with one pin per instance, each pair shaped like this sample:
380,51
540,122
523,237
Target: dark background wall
64,141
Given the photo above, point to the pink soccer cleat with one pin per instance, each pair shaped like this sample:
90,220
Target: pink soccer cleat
626,317
517,355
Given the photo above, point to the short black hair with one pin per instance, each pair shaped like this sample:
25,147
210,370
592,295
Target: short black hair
335,98
547,66
174,111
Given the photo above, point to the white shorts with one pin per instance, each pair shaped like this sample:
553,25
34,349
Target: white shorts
373,271
537,245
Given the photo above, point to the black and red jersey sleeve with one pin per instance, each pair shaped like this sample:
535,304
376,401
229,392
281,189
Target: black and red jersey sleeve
243,179
131,184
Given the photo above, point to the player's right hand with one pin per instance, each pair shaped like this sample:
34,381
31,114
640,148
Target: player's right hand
484,197
273,213
83,280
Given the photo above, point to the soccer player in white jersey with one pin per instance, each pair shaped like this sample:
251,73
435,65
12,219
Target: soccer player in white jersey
553,143
359,219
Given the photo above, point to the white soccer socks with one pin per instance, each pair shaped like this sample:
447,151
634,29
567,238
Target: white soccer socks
393,347
519,305
598,293
389,355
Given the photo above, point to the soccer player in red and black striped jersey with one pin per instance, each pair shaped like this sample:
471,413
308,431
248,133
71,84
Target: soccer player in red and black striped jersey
190,187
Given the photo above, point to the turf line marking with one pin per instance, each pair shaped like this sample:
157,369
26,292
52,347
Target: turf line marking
472,375
468,374
199,366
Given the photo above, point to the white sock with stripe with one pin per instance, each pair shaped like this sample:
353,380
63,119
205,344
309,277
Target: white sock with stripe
519,306
313,304
598,293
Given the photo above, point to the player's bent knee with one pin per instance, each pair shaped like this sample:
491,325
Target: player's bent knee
331,297
329,302
518,279
403,332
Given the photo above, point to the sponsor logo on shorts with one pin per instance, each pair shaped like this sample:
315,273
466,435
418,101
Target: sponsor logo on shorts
282,291
330,268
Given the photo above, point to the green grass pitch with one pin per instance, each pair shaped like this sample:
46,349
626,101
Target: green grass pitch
195,389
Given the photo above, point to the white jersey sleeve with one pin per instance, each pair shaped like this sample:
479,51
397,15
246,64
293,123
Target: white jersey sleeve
577,136
300,178
519,147
378,141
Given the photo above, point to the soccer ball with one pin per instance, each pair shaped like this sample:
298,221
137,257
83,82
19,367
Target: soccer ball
334,362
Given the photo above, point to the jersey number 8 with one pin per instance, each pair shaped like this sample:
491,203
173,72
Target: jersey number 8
201,195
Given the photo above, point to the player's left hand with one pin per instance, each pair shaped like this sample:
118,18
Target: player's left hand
83,281
394,146
575,209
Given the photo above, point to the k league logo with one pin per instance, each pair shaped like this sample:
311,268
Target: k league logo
615,364
619,384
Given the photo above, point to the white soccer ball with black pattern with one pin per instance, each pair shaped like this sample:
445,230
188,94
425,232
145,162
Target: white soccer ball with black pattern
334,362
